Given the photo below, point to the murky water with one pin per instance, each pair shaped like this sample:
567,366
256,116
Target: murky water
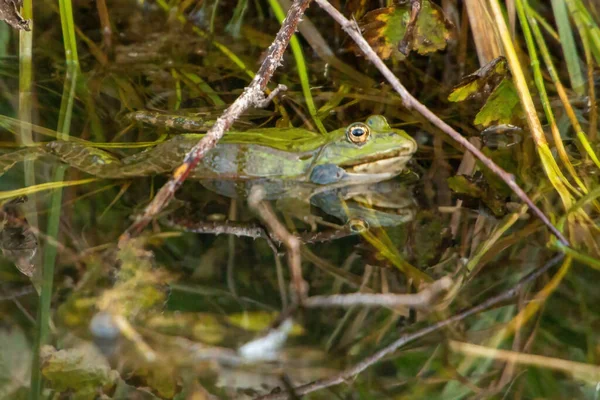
203,302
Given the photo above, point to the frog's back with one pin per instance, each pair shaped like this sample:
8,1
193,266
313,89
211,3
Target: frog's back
230,160
244,162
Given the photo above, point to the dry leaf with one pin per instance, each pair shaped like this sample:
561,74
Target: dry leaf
385,29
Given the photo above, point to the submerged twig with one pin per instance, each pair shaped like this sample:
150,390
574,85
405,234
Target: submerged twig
421,300
411,102
353,371
251,97
291,242
254,230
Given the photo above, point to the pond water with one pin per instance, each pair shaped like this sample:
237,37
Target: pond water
204,302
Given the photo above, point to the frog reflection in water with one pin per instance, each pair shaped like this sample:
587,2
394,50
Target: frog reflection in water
280,159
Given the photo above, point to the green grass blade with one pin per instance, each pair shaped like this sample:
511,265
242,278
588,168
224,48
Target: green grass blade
569,48
49,254
529,25
43,317
301,65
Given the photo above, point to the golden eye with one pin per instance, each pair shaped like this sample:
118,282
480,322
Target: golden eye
357,225
358,133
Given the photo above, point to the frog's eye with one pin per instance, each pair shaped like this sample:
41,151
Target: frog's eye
358,133
358,225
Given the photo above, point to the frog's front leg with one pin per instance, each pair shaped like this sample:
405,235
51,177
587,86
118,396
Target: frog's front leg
327,174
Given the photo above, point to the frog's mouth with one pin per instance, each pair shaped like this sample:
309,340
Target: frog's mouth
391,162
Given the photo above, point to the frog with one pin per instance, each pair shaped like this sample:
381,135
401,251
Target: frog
281,158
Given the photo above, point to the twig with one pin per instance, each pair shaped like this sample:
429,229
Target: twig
421,300
412,103
251,96
105,24
254,230
291,242
362,365
405,44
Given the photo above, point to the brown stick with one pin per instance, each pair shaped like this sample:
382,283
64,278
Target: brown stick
412,103
362,365
105,24
422,300
252,96
291,242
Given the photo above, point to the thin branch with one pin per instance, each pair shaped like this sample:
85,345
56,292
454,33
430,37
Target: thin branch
253,230
367,362
422,300
251,97
291,242
412,103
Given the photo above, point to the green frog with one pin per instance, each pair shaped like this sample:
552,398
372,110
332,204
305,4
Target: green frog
363,152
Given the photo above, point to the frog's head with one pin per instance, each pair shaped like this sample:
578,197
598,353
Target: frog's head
368,151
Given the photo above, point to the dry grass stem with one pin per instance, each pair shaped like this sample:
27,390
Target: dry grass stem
583,371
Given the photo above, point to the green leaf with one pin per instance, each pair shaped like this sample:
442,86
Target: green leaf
465,90
502,107
475,83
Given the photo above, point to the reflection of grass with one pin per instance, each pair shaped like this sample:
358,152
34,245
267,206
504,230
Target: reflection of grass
57,184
